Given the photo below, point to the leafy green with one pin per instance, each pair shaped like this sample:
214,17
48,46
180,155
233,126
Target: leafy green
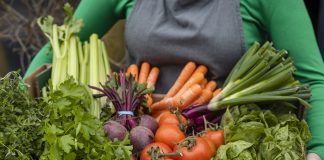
238,150
252,133
20,121
72,132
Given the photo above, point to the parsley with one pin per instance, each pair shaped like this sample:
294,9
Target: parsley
72,132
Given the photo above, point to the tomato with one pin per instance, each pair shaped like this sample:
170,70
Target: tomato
169,135
169,118
200,151
158,114
211,146
163,149
217,137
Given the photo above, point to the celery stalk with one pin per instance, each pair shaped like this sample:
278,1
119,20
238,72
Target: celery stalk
73,60
83,59
93,74
105,58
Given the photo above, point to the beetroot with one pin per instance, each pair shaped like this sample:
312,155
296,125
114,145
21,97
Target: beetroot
140,137
149,122
115,130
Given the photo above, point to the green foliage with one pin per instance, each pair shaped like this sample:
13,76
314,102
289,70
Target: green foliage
251,133
72,132
20,121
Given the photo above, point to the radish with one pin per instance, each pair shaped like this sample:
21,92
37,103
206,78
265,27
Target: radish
149,122
115,130
140,137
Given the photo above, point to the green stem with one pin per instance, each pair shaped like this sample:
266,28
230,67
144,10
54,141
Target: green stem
265,85
254,99
106,59
94,68
247,54
73,60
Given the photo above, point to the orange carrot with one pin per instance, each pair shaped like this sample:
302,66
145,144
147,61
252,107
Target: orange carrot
152,77
194,79
204,98
183,77
189,96
151,80
163,104
217,92
202,69
149,100
144,72
183,101
133,70
204,83
211,85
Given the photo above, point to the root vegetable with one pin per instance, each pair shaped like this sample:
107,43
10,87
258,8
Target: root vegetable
140,137
115,130
149,122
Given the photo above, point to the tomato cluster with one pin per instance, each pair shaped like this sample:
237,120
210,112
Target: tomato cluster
171,142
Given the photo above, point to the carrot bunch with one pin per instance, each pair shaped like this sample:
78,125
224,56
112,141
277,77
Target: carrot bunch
145,75
190,88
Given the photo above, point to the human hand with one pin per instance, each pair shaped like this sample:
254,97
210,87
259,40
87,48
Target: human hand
313,156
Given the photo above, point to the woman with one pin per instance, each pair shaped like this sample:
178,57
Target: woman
168,33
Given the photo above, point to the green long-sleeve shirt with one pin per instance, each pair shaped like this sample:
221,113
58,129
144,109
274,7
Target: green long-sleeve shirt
285,22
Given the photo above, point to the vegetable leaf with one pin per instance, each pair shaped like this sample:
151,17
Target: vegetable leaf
20,120
259,134
66,142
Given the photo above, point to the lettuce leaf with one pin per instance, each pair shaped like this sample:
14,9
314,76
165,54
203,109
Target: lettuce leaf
252,133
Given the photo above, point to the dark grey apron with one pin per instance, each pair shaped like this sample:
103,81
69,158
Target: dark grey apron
169,33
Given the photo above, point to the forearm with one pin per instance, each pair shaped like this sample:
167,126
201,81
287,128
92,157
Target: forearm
290,28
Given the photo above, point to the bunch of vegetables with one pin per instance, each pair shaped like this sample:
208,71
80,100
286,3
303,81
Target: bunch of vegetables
71,131
20,121
128,94
190,88
262,75
172,141
86,62
252,133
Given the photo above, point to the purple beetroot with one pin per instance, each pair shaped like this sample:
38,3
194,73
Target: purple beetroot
149,122
140,137
115,130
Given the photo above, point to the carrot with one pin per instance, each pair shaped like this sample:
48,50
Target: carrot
133,70
182,101
204,83
204,98
164,104
217,92
189,96
194,79
149,100
144,72
211,85
202,69
181,80
152,77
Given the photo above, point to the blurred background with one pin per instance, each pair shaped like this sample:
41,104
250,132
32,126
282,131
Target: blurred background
21,38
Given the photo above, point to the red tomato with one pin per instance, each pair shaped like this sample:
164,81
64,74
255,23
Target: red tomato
169,135
211,146
217,137
169,118
163,149
200,151
157,115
